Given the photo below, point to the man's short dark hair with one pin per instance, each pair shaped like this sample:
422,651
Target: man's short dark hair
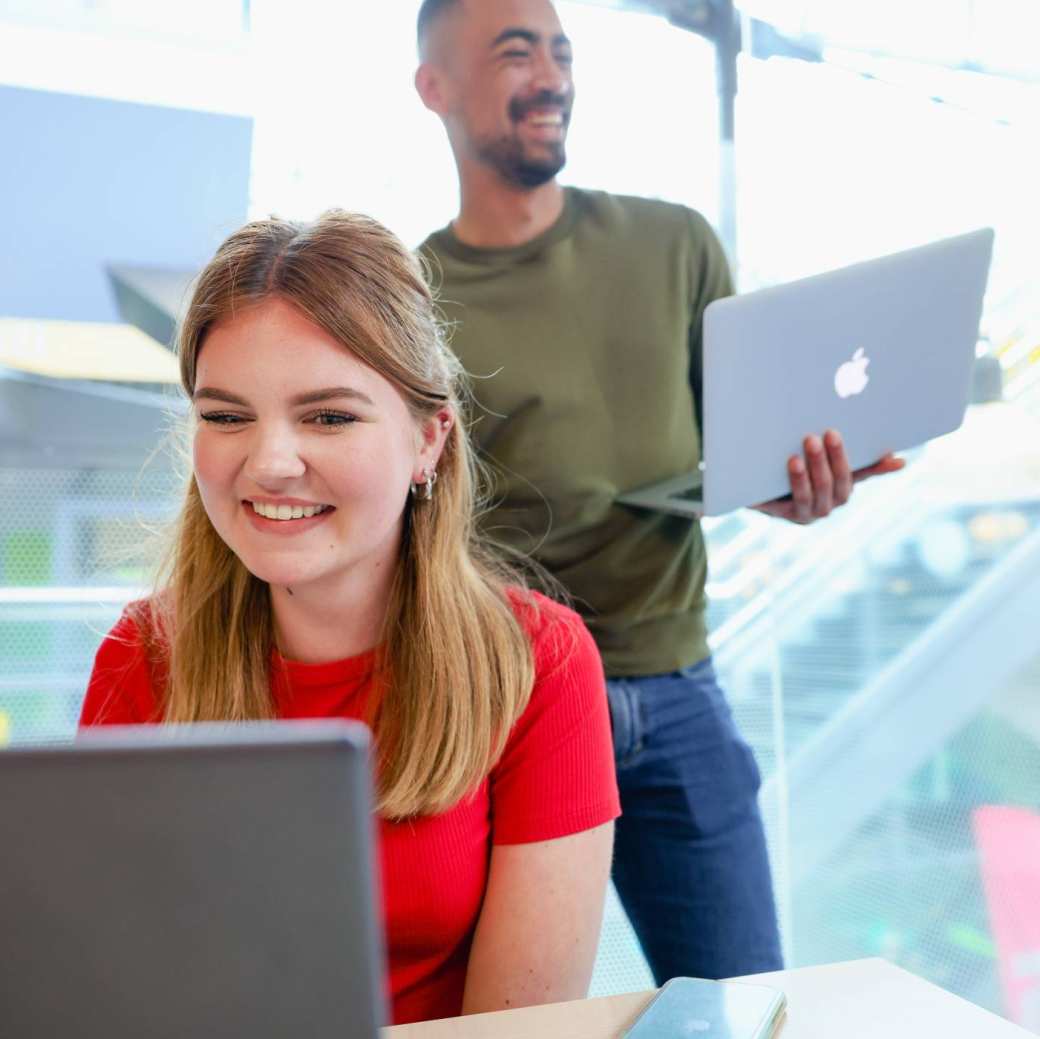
429,12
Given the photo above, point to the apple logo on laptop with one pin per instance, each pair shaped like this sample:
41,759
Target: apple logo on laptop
851,378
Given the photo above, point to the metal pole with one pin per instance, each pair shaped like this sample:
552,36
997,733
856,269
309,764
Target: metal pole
727,47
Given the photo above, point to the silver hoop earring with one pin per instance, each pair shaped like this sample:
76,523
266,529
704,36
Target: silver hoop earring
424,489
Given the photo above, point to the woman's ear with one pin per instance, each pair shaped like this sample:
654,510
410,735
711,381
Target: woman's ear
433,434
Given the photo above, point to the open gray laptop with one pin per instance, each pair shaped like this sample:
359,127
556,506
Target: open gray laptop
882,351
190,881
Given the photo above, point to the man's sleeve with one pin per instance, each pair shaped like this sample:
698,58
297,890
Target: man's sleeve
710,279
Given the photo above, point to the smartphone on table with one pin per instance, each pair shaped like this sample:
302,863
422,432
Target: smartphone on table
691,1008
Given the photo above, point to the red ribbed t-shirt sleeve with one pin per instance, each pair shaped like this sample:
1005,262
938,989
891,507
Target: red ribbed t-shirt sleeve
556,776
120,690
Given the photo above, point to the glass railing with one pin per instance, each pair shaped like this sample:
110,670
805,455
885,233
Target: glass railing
824,612
885,667
856,654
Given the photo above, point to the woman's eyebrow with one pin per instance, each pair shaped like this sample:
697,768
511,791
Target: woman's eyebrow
210,393
310,397
332,393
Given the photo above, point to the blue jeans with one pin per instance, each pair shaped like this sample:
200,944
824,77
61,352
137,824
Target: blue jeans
690,861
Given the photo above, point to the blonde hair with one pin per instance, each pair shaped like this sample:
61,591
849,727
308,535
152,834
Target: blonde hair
445,709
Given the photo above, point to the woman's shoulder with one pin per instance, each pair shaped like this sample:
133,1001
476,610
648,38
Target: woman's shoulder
128,636
558,635
541,616
121,687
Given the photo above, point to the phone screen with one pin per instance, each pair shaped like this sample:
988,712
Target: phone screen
690,1008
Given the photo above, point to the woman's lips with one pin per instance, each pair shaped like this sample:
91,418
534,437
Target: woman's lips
286,526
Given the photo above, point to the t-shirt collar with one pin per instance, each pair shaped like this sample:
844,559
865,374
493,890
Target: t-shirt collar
446,240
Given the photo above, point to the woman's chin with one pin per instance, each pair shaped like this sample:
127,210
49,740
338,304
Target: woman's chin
281,577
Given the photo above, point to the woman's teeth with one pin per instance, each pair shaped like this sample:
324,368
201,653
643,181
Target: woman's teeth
286,512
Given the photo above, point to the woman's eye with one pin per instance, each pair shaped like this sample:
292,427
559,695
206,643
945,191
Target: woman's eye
332,419
222,418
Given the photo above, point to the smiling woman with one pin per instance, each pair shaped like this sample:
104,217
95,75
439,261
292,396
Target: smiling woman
269,465
325,564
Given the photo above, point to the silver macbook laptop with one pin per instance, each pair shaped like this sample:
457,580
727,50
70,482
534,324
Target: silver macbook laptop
190,881
882,351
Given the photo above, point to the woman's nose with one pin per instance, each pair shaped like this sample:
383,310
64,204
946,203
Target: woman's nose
274,457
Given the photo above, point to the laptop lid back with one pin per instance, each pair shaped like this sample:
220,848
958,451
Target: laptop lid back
882,351
191,881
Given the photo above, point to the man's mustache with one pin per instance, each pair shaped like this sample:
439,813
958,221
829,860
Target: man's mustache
520,108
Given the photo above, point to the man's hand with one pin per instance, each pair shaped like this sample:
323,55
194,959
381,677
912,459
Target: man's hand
823,481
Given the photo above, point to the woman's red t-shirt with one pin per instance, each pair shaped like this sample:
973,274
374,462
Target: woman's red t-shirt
555,777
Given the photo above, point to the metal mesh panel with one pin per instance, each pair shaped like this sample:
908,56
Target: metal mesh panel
620,966
74,545
907,883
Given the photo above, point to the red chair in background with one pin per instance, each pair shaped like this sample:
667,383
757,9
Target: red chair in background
1008,840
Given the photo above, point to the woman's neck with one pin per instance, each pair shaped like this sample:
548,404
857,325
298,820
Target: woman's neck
315,624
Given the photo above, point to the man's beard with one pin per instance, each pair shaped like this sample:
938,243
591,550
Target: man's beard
506,156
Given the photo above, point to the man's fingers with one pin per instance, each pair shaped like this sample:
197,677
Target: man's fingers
801,490
839,462
889,464
821,480
820,476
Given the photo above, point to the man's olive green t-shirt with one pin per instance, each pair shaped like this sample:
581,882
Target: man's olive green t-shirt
584,352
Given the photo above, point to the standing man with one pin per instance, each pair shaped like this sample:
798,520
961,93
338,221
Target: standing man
578,313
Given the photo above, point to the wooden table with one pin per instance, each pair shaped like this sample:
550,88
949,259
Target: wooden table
862,999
